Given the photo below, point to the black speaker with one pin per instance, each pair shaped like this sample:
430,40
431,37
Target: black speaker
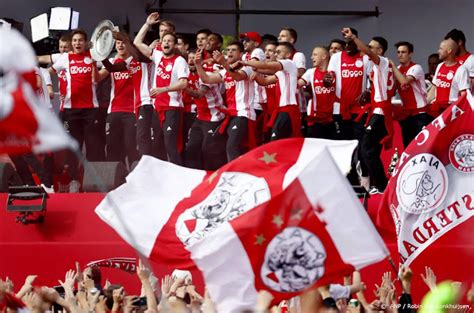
8,177
110,174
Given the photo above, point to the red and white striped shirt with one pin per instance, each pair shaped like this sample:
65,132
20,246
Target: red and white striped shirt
169,71
350,73
382,81
449,81
80,91
62,80
208,106
300,61
413,95
141,82
259,92
287,83
239,94
188,101
121,93
321,105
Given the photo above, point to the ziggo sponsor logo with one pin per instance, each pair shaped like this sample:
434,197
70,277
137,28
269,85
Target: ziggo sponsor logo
324,90
229,84
160,73
442,84
120,76
135,69
80,69
349,73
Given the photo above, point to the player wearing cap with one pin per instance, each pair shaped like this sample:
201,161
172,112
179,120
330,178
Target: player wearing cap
239,92
411,88
252,42
286,120
451,79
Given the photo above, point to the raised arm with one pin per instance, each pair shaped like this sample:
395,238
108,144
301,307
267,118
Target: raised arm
152,19
207,78
265,80
402,79
273,66
235,74
346,31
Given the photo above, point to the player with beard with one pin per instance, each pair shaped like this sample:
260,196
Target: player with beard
451,79
348,69
320,107
170,78
80,109
286,120
121,120
379,128
463,56
239,94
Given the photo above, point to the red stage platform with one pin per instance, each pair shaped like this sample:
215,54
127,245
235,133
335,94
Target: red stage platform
72,232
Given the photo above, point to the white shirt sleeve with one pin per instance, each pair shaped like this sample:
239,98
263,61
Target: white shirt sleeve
61,63
436,73
182,68
46,76
55,56
416,71
300,60
156,56
307,76
333,62
469,64
258,54
287,65
222,73
461,79
247,70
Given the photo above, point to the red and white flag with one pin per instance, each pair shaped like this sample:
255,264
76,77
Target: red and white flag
431,192
26,124
280,217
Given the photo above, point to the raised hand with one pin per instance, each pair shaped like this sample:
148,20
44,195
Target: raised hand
429,278
69,280
166,283
218,57
406,276
142,272
347,33
153,18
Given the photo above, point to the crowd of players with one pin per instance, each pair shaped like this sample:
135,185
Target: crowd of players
204,107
